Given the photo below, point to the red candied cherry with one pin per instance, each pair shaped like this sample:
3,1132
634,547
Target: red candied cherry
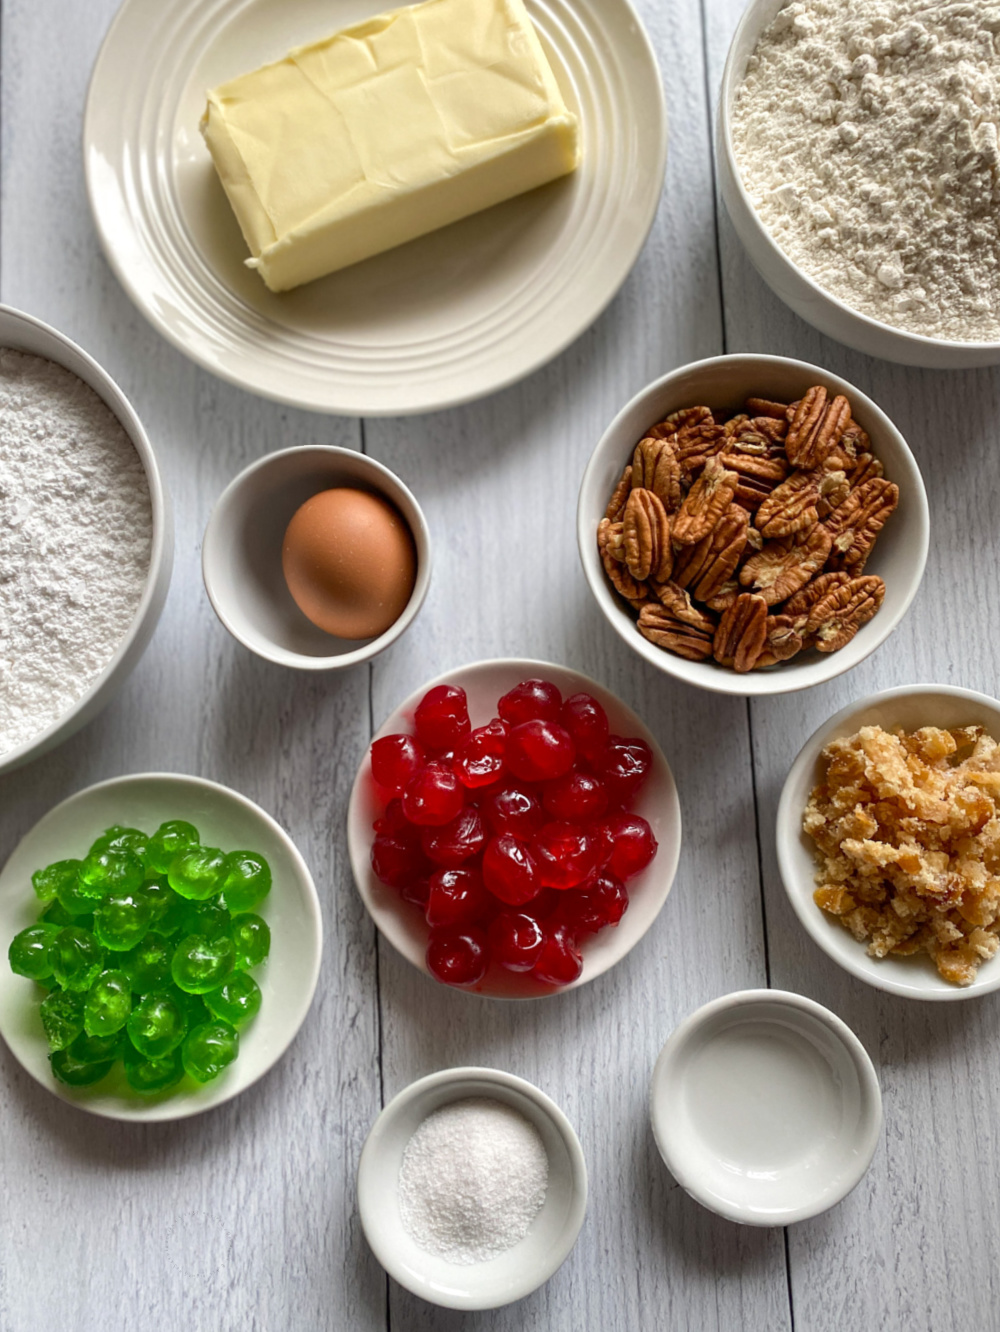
576,797
433,797
442,717
601,902
538,751
633,844
513,810
509,871
455,897
515,940
457,841
587,723
565,854
559,960
531,700
417,892
623,767
478,760
392,819
397,859
395,759
459,955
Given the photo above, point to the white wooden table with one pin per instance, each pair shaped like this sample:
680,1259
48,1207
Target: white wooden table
245,1218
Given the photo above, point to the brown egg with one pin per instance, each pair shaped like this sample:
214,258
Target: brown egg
349,562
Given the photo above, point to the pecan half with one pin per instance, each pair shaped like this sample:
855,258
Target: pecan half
782,567
816,428
705,503
646,533
655,467
756,476
707,565
765,407
658,625
865,468
837,617
854,440
799,606
856,523
834,488
782,640
696,444
725,596
621,580
790,508
616,504
742,633
678,602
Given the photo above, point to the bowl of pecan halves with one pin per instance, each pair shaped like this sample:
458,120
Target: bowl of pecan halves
753,525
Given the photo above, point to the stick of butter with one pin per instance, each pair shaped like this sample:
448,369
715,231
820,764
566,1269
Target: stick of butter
385,131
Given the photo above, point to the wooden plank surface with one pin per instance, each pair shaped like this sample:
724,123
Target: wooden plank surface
245,1218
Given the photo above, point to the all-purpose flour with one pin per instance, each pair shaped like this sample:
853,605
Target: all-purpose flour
75,535
867,137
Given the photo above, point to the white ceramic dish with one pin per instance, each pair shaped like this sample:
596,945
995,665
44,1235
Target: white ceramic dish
24,333
225,819
241,555
550,1237
910,707
899,556
765,1107
484,682
821,309
442,320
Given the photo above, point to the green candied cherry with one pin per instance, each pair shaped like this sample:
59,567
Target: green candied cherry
157,1024
62,1017
167,843
148,964
247,881
86,1060
77,958
104,872
132,840
198,872
161,899
207,918
152,1075
210,1048
73,896
108,1004
46,882
237,1000
252,940
28,953
200,964
122,920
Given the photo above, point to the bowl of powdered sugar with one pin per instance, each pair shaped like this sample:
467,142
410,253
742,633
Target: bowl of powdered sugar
85,538
472,1188
860,163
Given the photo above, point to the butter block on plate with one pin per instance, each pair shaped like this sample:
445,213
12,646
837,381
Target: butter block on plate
385,131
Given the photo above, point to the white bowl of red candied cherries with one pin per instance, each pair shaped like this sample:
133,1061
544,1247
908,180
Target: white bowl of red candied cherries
515,829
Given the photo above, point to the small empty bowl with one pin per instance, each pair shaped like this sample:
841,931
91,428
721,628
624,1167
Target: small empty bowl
241,554
727,381
765,1107
910,707
549,1238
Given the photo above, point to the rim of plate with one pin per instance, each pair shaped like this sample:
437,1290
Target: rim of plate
401,928
196,1101
597,48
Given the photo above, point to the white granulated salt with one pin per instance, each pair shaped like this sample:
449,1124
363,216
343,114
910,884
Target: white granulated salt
868,137
473,1178
75,537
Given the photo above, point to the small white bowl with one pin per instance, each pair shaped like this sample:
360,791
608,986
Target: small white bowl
899,556
800,292
23,333
241,555
223,818
765,1107
551,1235
484,683
910,707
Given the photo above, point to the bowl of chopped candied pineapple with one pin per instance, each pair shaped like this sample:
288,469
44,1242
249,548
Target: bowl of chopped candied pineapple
888,840
752,525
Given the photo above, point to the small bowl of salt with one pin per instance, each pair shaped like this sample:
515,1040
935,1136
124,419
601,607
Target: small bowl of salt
472,1188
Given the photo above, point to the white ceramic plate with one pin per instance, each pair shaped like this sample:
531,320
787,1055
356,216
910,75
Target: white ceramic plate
910,707
443,320
551,1235
225,819
484,682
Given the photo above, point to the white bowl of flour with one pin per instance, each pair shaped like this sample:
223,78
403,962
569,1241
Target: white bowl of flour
87,544
858,159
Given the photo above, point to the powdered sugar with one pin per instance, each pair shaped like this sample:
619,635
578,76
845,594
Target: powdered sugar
473,1177
75,538
867,137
